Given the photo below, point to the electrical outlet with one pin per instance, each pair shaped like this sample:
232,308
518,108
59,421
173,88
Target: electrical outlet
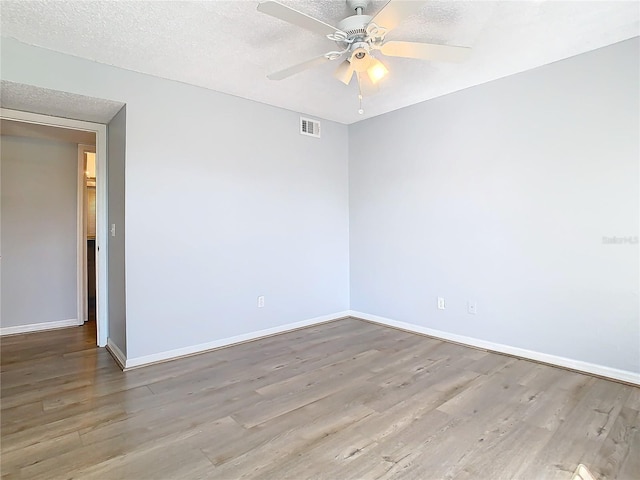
440,303
261,301
471,307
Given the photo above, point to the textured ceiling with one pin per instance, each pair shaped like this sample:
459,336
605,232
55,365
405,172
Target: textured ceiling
230,47
28,98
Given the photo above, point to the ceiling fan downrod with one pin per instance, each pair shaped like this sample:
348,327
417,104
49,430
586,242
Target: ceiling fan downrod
358,5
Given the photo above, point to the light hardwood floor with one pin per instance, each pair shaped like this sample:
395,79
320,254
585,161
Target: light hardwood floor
346,399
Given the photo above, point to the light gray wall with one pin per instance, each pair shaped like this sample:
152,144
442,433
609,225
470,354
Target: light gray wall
39,182
499,194
502,194
225,201
116,144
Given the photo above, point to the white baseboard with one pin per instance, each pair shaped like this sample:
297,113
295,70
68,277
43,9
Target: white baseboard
37,327
116,353
203,347
586,367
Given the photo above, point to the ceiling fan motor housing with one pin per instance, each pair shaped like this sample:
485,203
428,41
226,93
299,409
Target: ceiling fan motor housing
355,26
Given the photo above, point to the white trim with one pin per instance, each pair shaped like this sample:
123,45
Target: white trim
586,367
225,342
37,327
80,245
102,313
116,353
102,245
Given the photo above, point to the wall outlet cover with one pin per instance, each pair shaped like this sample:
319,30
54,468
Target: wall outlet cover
471,308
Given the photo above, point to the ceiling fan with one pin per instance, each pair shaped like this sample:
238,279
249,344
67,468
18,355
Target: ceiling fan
358,37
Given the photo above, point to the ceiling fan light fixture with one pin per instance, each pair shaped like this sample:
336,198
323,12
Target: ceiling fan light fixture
360,58
376,70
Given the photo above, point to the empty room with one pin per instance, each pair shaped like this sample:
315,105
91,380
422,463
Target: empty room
337,239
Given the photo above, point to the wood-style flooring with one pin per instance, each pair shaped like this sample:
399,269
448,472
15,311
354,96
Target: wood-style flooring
342,400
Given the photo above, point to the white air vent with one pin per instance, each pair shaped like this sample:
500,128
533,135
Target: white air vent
309,127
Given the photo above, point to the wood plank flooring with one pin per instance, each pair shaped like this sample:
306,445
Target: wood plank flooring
342,400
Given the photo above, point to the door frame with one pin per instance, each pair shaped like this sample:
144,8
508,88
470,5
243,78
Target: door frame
100,130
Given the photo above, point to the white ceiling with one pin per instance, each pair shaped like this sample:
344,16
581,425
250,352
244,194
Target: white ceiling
27,98
230,47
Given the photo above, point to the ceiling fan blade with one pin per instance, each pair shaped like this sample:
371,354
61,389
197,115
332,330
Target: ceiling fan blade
344,72
394,12
425,51
287,72
295,17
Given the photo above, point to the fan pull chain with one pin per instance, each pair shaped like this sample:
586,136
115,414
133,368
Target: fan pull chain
360,110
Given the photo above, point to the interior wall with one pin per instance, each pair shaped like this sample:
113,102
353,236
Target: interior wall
116,145
503,194
225,201
39,231
508,195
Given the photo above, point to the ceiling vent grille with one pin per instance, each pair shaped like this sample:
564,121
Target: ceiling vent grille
309,127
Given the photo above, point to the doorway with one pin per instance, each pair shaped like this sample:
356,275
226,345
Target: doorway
87,185
99,184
